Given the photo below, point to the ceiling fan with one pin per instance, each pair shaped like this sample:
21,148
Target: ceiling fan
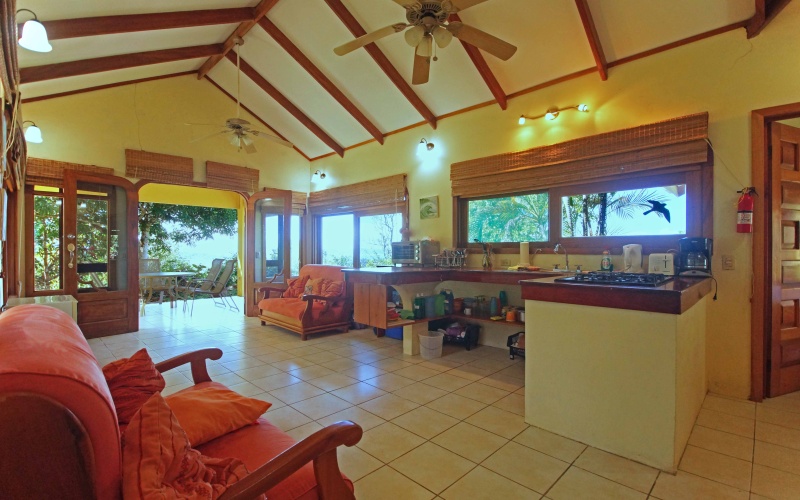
241,135
428,22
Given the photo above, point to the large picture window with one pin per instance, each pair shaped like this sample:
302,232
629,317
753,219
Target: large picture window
509,219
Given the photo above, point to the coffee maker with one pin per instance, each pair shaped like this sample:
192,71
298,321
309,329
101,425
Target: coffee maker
694,258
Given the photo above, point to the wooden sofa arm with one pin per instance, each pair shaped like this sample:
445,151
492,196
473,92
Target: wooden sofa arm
267,289
319,447
196,358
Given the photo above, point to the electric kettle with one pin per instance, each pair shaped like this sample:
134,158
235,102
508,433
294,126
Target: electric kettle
632,258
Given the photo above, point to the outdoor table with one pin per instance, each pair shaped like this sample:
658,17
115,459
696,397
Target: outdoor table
170,276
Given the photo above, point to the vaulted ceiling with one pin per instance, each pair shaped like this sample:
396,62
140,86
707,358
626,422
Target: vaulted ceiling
324,103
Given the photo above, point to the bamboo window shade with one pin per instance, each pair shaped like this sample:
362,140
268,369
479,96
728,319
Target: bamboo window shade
158,167
299,203
384,193
51,172
231,177
670,143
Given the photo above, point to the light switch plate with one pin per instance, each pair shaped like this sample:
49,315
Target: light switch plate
728,262
661,263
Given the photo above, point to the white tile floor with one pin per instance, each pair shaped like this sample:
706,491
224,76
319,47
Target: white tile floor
453,428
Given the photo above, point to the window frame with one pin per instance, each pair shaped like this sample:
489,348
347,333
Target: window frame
357,215
699,208
30,281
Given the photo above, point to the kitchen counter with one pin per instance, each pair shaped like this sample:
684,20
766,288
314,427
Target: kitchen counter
674,297
410,275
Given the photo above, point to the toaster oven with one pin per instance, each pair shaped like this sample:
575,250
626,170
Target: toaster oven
415,253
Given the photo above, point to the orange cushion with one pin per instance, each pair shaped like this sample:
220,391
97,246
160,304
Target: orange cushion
132,381
294,308
211,412
332,288
158,462
295,286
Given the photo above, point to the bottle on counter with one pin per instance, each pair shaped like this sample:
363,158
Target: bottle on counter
494,307
419,306
503,298
448,301
605,262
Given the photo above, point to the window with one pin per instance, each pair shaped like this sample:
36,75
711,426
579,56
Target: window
376,234
509,219
337,239
47,215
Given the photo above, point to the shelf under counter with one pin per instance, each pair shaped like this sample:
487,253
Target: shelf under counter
404,322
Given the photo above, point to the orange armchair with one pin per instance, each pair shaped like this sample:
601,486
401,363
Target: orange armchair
319,301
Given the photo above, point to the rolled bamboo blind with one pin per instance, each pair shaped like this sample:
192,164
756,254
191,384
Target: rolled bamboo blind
299,203
232,177
676,142
51,172
387,192
158,167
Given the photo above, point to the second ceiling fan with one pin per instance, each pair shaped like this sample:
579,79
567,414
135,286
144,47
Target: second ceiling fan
427,22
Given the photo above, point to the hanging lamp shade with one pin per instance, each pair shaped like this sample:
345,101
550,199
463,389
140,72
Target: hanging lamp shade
34,37
33,134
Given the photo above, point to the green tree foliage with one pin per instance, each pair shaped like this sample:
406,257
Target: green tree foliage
587,214
189,224
511,219
47,242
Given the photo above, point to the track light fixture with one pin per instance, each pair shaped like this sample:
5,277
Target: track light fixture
34,36
32,133
553,113
320,173
424,146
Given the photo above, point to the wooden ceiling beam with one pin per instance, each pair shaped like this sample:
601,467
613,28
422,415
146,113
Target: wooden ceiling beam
258,12
766,11
383,62
111,63
286,103
479,61
594,40
109,25
320,77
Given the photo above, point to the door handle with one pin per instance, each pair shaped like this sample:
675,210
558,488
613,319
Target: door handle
71,249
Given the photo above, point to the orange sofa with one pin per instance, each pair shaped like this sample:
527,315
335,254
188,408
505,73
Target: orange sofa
60,437
309,310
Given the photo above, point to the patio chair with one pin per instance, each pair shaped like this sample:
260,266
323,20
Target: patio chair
184,289
219,287
151,285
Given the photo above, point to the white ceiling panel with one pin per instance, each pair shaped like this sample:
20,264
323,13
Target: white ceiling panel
269,110
355,74
60,85
48,10
90,47
264,54
628,27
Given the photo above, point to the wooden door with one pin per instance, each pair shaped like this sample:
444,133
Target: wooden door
783,360
267,248
100,252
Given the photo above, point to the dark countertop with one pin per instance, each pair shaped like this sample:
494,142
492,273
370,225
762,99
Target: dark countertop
409,275
673,297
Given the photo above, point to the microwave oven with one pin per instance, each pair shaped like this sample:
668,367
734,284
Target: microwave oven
415,253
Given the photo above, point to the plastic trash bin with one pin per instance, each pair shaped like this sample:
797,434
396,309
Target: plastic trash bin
430,344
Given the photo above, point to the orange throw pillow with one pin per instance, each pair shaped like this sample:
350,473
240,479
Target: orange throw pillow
212,412
332,289
295,287
158,461
132,381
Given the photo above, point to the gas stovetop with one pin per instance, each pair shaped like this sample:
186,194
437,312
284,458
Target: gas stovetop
623,279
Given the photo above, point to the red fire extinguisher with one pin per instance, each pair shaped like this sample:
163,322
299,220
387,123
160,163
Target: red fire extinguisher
744,215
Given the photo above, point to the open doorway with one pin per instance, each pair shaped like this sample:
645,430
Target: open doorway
775,326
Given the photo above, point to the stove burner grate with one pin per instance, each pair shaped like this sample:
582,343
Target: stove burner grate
616,278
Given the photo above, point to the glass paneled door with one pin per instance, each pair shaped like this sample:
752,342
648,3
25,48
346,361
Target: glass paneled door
100,252
272,247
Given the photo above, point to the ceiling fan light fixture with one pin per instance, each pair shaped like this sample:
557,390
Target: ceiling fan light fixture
32,133
34,36
442,37
414,35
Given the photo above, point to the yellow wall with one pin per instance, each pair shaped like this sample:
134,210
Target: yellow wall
726,75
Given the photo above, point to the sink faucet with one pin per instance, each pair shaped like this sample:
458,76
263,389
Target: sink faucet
558,247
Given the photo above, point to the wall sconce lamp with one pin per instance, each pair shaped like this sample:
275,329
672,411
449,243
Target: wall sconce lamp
34,36
424,146
553,113
32,133
320,173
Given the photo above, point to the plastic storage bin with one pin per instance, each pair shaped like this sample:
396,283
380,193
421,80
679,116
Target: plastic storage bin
430,344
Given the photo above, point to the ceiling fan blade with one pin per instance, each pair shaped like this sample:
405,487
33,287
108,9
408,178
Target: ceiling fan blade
208,136
422,66
407,4
369,38
441,36
201,124
459,5
271,137
482,40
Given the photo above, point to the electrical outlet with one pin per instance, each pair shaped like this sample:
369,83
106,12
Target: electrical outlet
728,263
505,262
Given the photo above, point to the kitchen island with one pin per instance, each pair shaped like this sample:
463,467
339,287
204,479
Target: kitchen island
619,368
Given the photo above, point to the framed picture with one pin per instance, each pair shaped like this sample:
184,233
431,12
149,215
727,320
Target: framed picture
429,207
